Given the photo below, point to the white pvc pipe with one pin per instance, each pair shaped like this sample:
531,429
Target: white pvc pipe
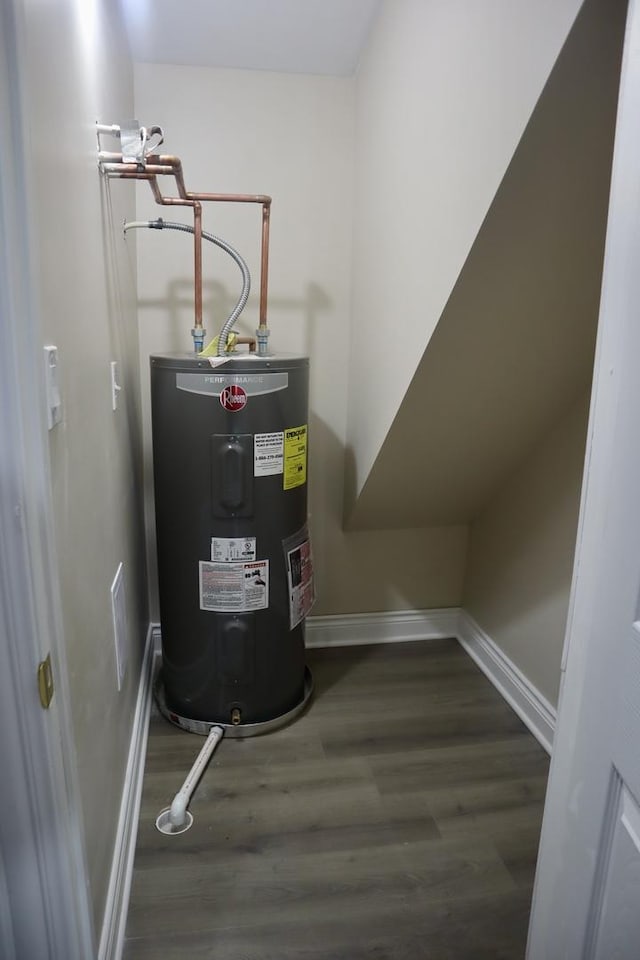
178,809
112,129
136,224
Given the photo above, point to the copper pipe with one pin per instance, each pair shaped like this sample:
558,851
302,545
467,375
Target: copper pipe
168,165
175,165
122,169
264,264
197,259
127,175
155,189
161,165
156,165
231,197
170,201
251,341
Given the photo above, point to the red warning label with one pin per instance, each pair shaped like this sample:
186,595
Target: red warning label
233,397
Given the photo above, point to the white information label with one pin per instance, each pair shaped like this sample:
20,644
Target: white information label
229,550
234,587
268,454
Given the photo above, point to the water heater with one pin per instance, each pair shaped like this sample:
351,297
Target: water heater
234,561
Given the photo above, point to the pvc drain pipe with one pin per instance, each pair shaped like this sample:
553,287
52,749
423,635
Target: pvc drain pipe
176,818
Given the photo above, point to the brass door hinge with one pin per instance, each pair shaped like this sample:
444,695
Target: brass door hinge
45,682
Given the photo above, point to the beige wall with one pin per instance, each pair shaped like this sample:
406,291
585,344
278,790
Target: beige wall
77,72
444,91
521,554
292,137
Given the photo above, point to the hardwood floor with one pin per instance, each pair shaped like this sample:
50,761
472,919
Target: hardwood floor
398,819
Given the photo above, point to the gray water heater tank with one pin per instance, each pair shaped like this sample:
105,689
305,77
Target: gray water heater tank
234,561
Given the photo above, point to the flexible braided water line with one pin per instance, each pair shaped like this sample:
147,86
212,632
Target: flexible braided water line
161,224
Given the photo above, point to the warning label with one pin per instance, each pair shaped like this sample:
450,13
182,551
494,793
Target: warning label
300,577
268,454
234,587
295,457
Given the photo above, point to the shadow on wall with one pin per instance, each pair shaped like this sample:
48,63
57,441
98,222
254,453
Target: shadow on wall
521,552
296,317
374,570
513,349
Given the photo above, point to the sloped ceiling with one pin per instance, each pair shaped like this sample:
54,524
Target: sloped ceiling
290,36
514,346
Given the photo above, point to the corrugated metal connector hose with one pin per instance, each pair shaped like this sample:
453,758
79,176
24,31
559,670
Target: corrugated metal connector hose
161,224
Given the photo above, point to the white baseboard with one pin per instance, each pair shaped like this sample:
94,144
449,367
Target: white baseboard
394,627
533,709
398,626
115,914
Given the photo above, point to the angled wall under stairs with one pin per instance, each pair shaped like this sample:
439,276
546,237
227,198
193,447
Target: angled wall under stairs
513,347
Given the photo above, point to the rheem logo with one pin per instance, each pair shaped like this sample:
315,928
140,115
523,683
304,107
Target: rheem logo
233,398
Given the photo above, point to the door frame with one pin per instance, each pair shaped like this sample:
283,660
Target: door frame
43,871
551,897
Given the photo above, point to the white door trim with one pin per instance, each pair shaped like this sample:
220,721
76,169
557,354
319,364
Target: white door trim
117,904
49,900
558,916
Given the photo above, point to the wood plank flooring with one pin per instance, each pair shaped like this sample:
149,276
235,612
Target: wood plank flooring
398,819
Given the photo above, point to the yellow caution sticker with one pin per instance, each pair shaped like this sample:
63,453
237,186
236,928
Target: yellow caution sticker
295,457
